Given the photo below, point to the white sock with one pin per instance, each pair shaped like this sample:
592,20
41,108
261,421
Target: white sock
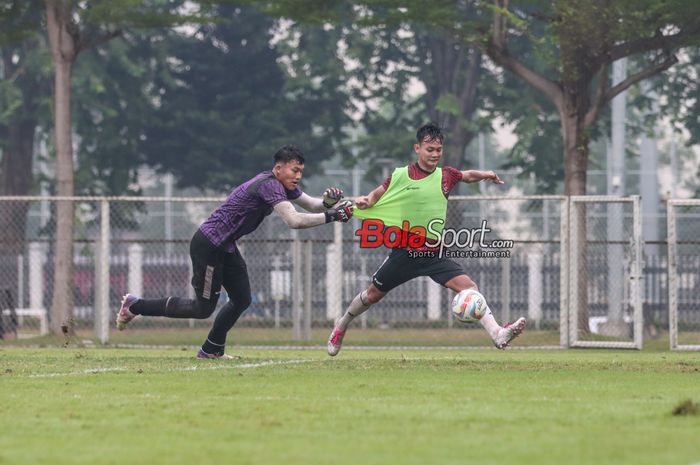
490,325
488,321
356,308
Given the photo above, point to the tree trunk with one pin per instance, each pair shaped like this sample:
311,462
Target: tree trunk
63,42
575,163
456,143
575,155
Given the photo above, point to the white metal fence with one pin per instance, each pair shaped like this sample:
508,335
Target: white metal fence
302,280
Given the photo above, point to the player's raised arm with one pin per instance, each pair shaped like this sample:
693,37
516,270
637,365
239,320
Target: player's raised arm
331,196
367,201
470,176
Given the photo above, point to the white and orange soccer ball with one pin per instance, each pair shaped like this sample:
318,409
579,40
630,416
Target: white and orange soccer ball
469,306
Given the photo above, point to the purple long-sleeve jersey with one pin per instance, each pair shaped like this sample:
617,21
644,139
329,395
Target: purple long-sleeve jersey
244,209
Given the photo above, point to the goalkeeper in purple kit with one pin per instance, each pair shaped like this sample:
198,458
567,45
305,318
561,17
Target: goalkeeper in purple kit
216,260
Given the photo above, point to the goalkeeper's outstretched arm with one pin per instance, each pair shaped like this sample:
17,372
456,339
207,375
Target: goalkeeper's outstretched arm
331,196
296,220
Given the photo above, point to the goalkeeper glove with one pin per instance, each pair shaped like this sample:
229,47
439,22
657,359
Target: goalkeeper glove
341,212
331,196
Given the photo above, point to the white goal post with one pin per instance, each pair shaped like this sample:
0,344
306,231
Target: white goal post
605,259
674,275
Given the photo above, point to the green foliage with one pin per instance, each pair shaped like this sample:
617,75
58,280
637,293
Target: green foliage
580,38
179,100
19,20
448,103
10,100
221,104
210,103
24,64
390,50
681,89
109,111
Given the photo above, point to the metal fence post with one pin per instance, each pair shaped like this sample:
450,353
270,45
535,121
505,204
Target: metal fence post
135,269
308,297
102,276
296,289
505,289
434,296
534,288
636,273
672,276
363,274
573,271
20,281
564,311
37,257
334,274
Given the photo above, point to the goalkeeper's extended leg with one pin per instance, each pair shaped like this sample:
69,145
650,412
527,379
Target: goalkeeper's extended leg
357,307
125,315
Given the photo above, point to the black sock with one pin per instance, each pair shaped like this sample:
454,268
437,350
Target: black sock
174,307
149,307
212,348
225,319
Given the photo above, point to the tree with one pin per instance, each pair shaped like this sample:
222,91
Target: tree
394,51
681,102
23,86
575,42
584,39
73,27
110,106
214,131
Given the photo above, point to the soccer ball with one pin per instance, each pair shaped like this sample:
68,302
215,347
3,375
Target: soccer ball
469,306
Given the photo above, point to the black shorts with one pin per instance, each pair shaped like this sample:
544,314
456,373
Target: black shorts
212,268
403,265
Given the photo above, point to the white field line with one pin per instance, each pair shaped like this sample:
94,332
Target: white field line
222,366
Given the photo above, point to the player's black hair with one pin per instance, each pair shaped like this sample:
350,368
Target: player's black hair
289,153
429,132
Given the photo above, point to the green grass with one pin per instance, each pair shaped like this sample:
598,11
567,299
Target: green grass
121,406
427,337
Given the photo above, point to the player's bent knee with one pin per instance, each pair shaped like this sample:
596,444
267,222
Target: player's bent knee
460,283
205,308
374,295
242,303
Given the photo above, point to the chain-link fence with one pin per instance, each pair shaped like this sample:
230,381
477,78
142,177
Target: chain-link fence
301,280
684,274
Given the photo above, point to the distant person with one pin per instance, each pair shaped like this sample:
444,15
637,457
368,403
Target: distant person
418,193
216,260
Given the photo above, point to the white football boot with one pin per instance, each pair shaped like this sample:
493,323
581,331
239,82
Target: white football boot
508,332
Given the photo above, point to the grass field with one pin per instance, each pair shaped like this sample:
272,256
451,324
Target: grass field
424,337
127,406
